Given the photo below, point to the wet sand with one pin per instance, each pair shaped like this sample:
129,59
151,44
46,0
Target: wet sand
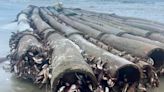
9,83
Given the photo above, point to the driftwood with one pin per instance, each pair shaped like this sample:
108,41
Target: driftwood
133,47
138,20
115,22
108,60
140,23
68,66
97,24
76,53
97,52
26,50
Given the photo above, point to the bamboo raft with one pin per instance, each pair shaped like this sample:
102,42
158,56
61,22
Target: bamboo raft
74,50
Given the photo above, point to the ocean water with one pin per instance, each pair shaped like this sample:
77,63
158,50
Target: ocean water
147,9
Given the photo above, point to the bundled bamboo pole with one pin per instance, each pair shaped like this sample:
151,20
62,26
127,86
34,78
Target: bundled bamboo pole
140,23
109,29
23,45
92,50
23,25
147,69
117,17
133,47
60,63
23,21
68,65
138,20
115,22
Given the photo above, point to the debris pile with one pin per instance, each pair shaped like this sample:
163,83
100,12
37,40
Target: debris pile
74,50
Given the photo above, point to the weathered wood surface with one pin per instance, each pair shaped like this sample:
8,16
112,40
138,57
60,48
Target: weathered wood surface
94,56
66,56
136,48
109,29
28,38
20,43
115,22
114,64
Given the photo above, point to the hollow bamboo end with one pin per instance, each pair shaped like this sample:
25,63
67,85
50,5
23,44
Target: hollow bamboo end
128,74
70,76
157,55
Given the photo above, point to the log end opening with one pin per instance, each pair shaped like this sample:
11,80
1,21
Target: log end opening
128,74
157,55
75,80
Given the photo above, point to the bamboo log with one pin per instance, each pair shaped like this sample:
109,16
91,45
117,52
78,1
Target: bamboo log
138,20
116,17
109,29
28,38
23,41
140,23
20,40
144,33
149,27
119,18
23,21
66,58
115,22
133,47
21,63
111,60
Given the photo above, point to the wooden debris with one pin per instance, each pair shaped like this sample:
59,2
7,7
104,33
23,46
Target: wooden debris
76,56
